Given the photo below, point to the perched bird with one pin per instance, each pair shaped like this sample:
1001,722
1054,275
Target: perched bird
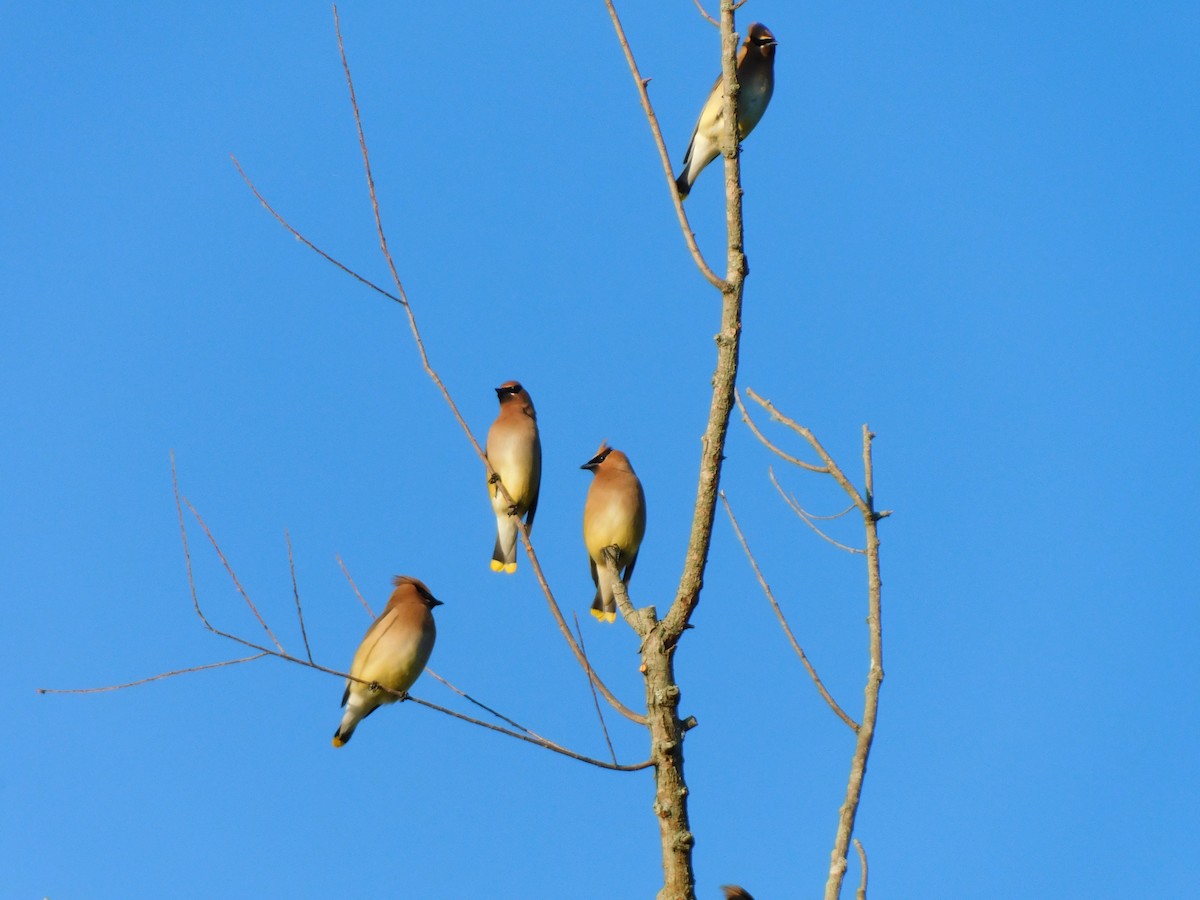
615,513
391,656
756,83
515,452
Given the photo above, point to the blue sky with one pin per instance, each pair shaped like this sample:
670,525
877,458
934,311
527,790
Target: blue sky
975,228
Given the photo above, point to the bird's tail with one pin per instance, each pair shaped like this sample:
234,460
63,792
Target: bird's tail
504,557
604,608
345,731
683,184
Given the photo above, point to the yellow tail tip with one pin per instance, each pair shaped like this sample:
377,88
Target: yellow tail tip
497,566
338,742
602,616
507,568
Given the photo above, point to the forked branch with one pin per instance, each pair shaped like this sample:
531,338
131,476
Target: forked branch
401,297
278,652
864,502
648,108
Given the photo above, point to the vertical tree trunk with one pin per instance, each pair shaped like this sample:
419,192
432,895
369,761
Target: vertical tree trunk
666,749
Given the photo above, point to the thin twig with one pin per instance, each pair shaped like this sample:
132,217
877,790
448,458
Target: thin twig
704,12
556,612
366,605
401,297
861,893
523,530
805,433
306,242
187,553
812,672
484,706
296,594
814,516
362,144
233,575
796,461
688,235
280,653
118,687
595,699
808,519
548,745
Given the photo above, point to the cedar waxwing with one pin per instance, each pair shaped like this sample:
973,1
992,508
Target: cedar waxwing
515,452
756,83
733,892
615,513
392,655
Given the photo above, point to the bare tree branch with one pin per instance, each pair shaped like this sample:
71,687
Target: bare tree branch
556,612
140,681
401,297
659,638
728,347
233,575
688,235
861,893
280,653
866,732
484,706
805,433
364,603
807,518
704,12
838,515
595,699
306,242
833,704
296,594
542,742
795,461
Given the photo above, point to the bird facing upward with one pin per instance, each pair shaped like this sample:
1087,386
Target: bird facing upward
756,83
392,654
514,450
614,514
